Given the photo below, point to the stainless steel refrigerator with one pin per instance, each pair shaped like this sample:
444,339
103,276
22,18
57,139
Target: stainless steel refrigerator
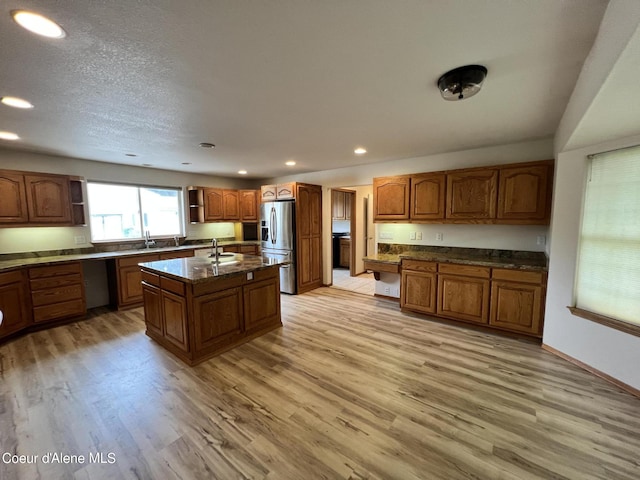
278,239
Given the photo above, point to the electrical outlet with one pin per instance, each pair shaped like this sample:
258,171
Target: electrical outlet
387,291
412,235
541,240
80,240
439,236
418,235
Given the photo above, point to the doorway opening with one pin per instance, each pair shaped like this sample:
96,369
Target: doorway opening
350,234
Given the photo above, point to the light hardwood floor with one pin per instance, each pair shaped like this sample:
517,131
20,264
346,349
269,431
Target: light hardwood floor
348,388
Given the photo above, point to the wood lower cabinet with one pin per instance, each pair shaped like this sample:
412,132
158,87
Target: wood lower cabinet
418,286
517,300
345,252
201,320
57,292
506,299
126,290
391,196
15,314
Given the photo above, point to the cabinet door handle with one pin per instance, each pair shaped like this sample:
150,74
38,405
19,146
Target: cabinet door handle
1,317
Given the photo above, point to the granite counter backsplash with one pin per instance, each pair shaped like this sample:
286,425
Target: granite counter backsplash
477,256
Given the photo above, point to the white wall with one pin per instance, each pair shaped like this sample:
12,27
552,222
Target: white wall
613,352
513,237
14,240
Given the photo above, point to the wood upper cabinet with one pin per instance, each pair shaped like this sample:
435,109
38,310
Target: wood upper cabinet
391,198
308,236
517,300
14,303
48,198
524,193
428,196
463,292
39,198
341,205
213,204
248,205
282,191
472,194
418,286
13,207
230,205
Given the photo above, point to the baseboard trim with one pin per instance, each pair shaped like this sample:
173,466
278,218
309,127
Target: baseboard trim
627,388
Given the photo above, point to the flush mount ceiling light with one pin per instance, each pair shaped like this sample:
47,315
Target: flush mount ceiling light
9,136
360,151
462,82
38,24
207,145
16,102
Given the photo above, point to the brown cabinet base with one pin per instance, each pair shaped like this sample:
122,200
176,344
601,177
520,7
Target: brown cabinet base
207,319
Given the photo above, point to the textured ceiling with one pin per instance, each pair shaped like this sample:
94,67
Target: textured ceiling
271,81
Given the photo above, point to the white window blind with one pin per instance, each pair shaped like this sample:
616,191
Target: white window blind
608,279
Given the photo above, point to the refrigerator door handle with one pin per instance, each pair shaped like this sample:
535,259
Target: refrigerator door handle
274,230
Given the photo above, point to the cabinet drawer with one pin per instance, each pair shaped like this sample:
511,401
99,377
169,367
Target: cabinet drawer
50,296
128,261
57,311
55,270
517,276
151,278
172,285
419,265
466,270
51,282
382,267
178,254
11,277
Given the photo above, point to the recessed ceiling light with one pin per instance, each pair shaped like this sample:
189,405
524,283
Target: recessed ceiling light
38,24
360,151
242,172
290,163
9,136
207,145
186,163
131,155
16,102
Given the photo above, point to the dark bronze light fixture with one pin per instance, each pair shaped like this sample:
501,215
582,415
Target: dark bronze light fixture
462,82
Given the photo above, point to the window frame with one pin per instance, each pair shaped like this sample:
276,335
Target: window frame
138,186
614,323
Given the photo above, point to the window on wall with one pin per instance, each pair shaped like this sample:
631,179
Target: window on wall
126,212
608,276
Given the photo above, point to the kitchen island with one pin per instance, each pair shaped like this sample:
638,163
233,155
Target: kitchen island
197,308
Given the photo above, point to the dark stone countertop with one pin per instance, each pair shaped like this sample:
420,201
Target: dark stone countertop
510,259
14,261
203,269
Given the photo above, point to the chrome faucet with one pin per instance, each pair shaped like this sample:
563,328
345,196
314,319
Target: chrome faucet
214,248
147,239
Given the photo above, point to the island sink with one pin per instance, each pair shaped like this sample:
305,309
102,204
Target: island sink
197,308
